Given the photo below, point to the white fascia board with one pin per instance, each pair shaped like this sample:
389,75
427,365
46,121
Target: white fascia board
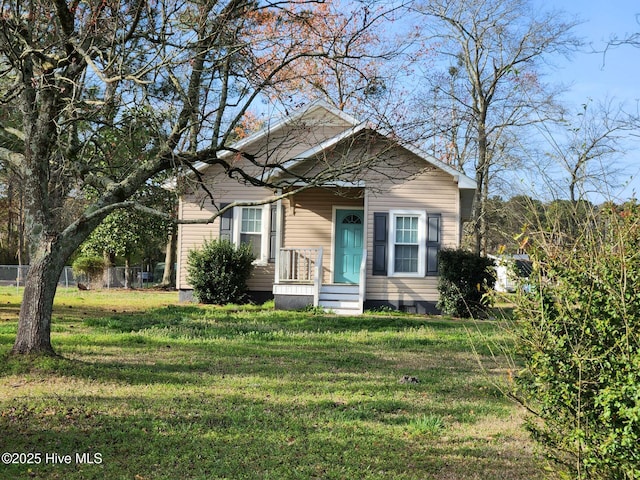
331,183
331,142
466,183
350,119
320,104
463,181
460,178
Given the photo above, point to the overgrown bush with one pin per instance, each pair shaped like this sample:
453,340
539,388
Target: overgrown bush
578,332
90,265
219,271
465,278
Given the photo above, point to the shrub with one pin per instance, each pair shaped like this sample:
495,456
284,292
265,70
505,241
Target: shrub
90,265
219,272
465,278
578,333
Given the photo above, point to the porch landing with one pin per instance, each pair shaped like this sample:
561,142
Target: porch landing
340,299
299,283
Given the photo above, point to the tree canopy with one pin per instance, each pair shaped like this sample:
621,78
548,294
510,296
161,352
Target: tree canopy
111,93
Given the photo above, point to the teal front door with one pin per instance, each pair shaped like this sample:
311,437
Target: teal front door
348,246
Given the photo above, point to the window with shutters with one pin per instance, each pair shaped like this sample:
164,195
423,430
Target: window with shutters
407,241
251,229
252,226
407,246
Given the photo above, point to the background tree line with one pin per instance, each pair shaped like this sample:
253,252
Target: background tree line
511,220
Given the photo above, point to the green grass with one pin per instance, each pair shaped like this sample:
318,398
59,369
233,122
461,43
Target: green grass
165,391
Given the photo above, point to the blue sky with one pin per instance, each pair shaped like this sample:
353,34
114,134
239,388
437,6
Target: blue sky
595,76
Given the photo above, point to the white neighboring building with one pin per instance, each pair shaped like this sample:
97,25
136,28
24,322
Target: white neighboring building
510,269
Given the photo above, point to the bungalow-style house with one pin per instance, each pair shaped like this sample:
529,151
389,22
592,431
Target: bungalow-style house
358,222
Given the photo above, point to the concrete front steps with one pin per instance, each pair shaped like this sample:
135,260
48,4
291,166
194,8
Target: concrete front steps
340,299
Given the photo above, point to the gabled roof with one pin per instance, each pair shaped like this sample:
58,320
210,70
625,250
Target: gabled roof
463,181
460,178
286,121
352,127
293,119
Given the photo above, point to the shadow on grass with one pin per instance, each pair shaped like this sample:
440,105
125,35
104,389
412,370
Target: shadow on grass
242,321
145,361
181,345
197,392
198,435
195,437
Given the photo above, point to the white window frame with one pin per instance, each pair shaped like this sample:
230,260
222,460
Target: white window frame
264,234
422,243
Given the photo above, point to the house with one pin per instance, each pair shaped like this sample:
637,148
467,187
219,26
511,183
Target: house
358,223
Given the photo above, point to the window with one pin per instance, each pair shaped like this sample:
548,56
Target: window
407,241
251,225
352,220
406,244
251,229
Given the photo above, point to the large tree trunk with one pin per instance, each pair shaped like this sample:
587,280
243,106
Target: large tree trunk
483,219
476,215
34,325
169,259
482,181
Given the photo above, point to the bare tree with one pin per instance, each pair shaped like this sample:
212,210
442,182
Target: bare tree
586,148
364,51
632,39
87,77
494,86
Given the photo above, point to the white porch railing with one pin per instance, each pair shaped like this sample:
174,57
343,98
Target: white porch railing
300,265
363,280
317,279
300,273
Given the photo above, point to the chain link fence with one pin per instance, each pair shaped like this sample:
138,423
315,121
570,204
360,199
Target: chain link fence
15,275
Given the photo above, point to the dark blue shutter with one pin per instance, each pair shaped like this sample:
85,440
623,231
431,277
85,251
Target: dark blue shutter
433,242
380,228
272,232
226,223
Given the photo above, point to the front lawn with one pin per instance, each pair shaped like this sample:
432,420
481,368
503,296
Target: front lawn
149,389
